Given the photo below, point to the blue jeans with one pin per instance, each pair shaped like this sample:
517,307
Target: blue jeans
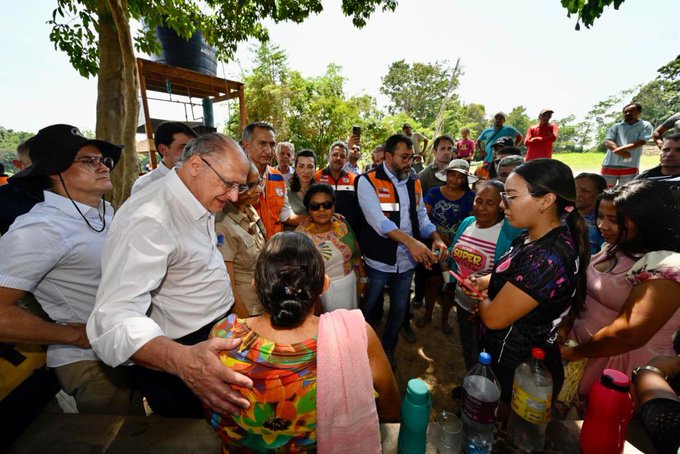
400,289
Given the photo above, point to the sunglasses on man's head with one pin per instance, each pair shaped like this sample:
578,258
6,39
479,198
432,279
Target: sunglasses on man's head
315,206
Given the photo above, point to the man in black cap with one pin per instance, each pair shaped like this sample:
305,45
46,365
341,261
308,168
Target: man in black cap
54,252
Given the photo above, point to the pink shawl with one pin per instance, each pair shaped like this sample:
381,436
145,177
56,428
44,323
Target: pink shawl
346,415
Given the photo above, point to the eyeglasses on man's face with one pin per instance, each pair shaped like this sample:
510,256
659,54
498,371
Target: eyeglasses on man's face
229,186
93,162
406,157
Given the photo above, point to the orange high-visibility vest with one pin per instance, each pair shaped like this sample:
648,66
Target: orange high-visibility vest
373,245
271,201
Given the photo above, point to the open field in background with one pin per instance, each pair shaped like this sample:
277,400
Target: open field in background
591,162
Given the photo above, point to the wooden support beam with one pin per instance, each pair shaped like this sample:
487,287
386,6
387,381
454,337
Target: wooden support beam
147,117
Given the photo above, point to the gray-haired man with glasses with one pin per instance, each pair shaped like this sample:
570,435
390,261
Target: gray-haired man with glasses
54,252
164,284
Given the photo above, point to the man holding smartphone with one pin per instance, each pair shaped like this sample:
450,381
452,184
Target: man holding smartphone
354,144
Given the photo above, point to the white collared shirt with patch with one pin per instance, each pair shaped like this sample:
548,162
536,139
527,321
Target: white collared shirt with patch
51,252
162,274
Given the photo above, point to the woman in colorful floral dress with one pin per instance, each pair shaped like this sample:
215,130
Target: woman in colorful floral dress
338,246
317,381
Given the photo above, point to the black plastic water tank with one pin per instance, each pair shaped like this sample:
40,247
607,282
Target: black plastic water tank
194,54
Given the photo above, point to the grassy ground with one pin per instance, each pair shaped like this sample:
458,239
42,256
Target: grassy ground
591,162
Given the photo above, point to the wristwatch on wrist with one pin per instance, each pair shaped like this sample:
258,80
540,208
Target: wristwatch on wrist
656,370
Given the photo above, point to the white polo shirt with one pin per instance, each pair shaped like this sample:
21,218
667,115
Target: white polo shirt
51,252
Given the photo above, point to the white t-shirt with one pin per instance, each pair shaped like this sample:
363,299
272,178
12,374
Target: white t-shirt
474,253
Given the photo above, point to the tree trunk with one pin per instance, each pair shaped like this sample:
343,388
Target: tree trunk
117,87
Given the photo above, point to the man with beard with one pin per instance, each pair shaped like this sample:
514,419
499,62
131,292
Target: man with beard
394,222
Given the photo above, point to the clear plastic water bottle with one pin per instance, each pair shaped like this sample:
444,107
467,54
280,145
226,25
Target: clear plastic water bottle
531,398
481,393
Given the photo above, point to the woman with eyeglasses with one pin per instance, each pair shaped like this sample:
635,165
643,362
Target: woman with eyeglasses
541,277
240,239
481,240
339,248
633,301
302,179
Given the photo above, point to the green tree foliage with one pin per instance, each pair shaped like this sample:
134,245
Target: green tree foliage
600,118
588,11
417,89
9,141
311,112
96,36
568,136
518,119
224,23
458,116
660,98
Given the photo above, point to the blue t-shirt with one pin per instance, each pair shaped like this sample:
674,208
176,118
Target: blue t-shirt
447,214
489,136
623,134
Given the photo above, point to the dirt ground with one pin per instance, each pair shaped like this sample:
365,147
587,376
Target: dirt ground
436,358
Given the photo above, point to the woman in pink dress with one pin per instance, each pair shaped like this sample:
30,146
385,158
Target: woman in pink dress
632,304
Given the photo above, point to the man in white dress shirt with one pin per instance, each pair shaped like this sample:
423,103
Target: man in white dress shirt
164,284
170,138
54,252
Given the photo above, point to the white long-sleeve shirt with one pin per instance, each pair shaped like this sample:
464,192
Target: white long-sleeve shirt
162,274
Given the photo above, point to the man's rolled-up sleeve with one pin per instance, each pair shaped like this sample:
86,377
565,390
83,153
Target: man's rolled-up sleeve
134,263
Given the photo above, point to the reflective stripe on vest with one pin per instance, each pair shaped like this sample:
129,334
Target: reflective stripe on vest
389,206
386,192
344,188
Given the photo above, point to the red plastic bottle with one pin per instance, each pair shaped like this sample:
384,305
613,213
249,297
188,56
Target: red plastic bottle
609,411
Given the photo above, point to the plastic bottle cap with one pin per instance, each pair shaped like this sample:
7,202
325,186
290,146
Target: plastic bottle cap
485,358
417,391
538,353
618,379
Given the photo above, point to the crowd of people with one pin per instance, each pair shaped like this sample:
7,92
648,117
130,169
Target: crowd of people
242,283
